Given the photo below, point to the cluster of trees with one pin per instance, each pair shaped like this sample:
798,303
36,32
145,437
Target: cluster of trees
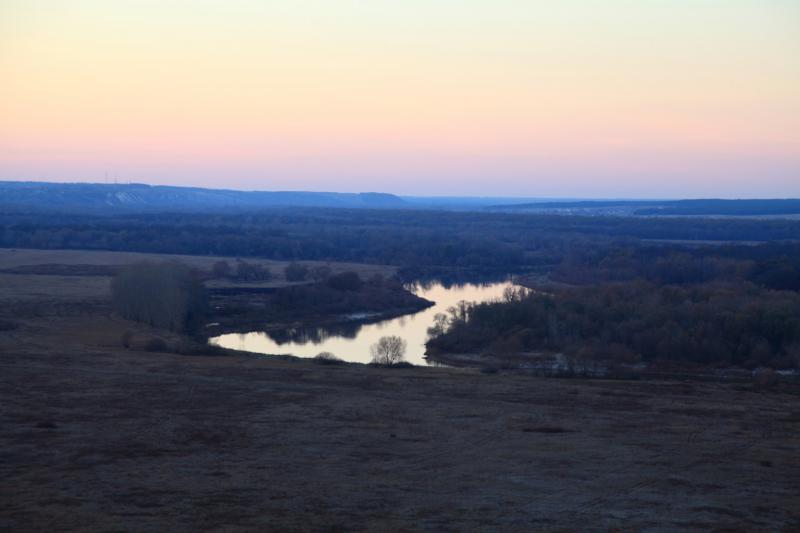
246,271
166,295
712,324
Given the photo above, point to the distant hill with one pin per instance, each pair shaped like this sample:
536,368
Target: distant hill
139,197
461,203
710,207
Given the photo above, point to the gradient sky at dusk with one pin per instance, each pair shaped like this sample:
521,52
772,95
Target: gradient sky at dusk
578,98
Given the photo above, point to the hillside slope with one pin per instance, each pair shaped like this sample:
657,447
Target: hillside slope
140,197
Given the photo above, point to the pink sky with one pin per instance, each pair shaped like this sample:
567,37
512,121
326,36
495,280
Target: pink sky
582,98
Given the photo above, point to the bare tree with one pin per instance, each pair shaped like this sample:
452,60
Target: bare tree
439,326
460,311
514,294
388,350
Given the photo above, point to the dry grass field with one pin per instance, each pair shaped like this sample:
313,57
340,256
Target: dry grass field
21,259
97,437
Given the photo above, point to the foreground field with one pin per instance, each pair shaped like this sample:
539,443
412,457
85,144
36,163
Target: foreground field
103,439
96,437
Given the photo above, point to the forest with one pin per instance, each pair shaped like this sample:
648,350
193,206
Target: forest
421,242
720,325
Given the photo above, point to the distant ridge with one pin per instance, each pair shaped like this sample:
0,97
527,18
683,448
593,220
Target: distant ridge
141,197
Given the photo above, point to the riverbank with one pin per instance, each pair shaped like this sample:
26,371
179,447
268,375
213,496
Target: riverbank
487,361
240,310
352,340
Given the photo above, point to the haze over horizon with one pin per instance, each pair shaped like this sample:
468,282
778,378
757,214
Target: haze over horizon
581,99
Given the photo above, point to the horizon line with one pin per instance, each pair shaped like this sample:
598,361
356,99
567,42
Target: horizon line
403,195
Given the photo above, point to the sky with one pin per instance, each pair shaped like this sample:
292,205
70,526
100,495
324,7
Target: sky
567,98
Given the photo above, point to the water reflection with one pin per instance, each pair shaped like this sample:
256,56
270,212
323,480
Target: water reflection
315,335
351,340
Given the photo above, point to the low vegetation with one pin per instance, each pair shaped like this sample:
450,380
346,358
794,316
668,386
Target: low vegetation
327,358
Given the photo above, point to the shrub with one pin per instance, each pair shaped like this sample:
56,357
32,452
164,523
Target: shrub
327,358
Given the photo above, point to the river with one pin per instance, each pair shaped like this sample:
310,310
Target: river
351,341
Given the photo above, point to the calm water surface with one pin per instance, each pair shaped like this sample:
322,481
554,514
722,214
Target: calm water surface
352,341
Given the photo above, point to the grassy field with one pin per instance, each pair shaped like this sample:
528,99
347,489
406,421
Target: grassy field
97,437
20,259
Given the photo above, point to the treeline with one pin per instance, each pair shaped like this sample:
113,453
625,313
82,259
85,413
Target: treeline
166,295
428,241
774,265
718,324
